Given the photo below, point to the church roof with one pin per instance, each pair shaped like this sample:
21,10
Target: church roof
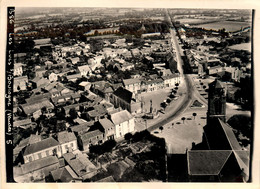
221,141
124,94
207,162
230,136
216,84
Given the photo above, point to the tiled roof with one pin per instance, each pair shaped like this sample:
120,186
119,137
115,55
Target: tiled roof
40,81
153,81
84,127
207,162
169,76
74,76
17,65
86,136
64,137
22,122
64,174
84,83
79,163
39,164
107,179
106,123
98,111
38,98
44,144
42,41
21,78
30,140
120,117
84,68
30,108
131,81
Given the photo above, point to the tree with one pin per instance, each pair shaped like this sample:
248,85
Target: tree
128,137
183,119
161,128
43,110
73,113
194,115
176,84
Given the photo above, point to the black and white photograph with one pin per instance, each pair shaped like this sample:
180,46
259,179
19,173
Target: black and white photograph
129,95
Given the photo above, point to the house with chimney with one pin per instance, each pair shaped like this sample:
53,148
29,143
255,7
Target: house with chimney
81,165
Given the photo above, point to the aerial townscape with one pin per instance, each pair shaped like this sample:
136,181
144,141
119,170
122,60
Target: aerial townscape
132,95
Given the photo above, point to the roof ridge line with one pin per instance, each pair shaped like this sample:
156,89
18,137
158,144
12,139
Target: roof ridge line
227,135
225,162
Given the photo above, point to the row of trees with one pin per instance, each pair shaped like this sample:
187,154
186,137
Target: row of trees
183,119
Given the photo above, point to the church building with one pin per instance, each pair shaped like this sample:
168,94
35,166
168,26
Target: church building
222,159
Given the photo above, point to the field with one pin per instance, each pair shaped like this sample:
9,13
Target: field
228,25
242,46
193,20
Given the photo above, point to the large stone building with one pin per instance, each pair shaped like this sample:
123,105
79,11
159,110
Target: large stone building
124,123
221,159
123,98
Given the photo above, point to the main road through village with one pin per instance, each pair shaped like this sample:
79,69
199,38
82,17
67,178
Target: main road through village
190,94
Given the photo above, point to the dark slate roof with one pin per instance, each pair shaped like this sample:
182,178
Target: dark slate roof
216,84
38,146
207,162
124,94
230,136
39,164
242,158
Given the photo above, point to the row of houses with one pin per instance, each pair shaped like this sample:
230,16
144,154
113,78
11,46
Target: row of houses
44,156
138,85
